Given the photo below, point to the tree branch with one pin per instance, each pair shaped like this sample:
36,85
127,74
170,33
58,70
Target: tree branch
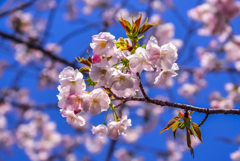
142,89
202,122
182,106
20,7
37,47
111,150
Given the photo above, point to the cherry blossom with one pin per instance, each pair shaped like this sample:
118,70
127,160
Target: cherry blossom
166,74
102,44
100,129
101,72
96,102
139,61
71,80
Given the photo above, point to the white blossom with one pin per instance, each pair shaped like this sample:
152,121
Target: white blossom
166,74
73,117
153,50
100,129
120,81
168,55
117,128
71,80
139,61
101,72
96,102
102,44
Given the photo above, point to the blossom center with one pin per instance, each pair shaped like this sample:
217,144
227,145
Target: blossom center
79,100
72,118
102,44
121,78
73,82
94,101
104,71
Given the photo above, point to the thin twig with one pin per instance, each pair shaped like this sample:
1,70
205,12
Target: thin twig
120,104
142,89
202,122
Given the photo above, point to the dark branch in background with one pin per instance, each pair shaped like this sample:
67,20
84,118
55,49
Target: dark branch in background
77,32
202,122
111,150
20,7
227,69
228,141
37,47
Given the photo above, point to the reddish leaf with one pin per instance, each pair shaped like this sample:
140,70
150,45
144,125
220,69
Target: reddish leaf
170,124
138,21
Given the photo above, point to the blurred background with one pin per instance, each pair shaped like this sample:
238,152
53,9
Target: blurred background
38,38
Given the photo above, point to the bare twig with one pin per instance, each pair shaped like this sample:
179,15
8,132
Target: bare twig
120,104
202,122
142,89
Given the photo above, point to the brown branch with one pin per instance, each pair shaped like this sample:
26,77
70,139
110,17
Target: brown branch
183,106
20,7
37,47
142,89
120,104
202,122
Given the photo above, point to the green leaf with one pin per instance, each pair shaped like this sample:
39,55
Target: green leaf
182,125
141,37
174,134
144,46
91,82
175,126
196,130
170,124
187,122
189,143
84,69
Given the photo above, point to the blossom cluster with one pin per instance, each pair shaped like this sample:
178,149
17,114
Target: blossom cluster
215,15
113,66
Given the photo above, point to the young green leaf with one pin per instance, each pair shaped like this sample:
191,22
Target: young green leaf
175,126
84,69
196,130
187,122
189,143
181,126
170,124
174,134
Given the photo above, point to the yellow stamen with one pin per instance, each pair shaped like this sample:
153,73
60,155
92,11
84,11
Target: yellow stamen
121,78
102,44
94,101
104,71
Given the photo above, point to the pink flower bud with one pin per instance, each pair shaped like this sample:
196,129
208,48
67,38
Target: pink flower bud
96,59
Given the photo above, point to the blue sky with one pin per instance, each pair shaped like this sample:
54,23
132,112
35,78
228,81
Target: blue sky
215,126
